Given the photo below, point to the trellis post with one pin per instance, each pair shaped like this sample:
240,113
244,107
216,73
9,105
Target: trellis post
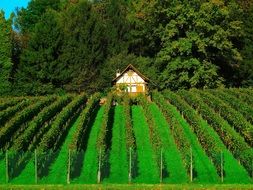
35,166
161,166
68,174
221,167
99,167
6,166
130,166
191,165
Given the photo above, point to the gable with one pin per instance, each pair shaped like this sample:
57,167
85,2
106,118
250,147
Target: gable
130,77
125,77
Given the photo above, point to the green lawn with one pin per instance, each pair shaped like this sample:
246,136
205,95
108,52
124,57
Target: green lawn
205,170
58,170
118,154
90,162
2,169
147,170
126,187
173,161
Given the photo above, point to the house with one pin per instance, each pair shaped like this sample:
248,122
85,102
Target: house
131,80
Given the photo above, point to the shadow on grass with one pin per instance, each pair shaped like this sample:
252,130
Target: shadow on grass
77,157
46,159
106,166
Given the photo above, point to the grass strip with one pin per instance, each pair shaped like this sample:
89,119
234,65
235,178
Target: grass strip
2,169
232,168
204,170
90,162
58,170
118,154
147,165
174,163
27,175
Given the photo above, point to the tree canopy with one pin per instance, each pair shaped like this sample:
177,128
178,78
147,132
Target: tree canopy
77,45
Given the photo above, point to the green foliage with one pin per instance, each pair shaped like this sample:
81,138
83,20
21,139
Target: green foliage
234,118
245,69
29,135
85,117
84,47
130,141
196,46
101,141
153,127
173,162
245,97
5,53
58,167
29,17
187,143
185,74
61,124
90,160
233,141
236,104
9,103
15,123
6,114
39,64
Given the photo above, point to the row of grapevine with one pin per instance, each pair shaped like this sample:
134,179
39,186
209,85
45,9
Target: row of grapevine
233,117
89,163
14,125
57,169
208,138
187,143
60,125
248,91
130,141
85,116
231,139
153,128
173,162
180,139
28,137
235,103
246,98
6,104
95,147
101,142
6,114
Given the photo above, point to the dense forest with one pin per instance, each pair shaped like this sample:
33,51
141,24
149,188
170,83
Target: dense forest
62,46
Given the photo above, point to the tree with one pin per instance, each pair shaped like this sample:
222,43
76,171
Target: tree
39,67
245,69
28,17
143,41
5,53
85,46
197,38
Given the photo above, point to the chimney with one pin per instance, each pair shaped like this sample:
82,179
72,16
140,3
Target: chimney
117,72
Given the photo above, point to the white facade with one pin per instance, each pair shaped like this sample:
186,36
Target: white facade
133,81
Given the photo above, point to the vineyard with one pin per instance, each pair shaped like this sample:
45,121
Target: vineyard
196,136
